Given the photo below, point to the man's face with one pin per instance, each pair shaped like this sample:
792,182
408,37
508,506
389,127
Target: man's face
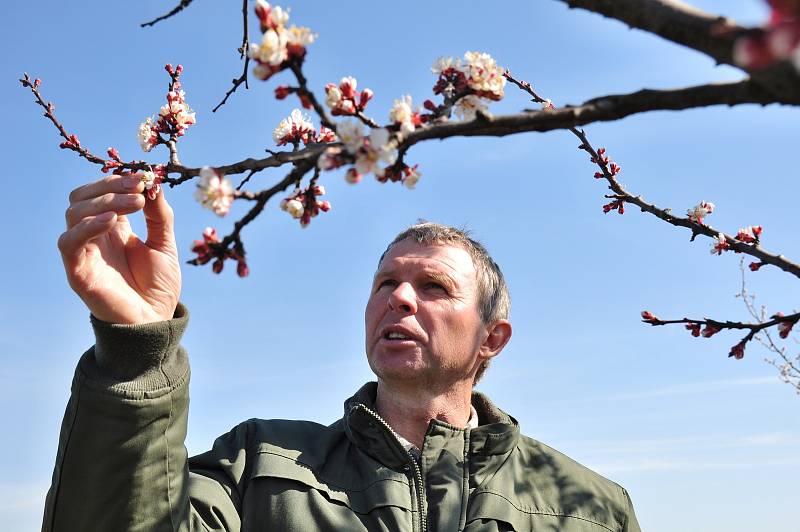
422,319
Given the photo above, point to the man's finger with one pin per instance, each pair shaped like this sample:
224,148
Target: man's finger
120,184
119,203
72,241
160,222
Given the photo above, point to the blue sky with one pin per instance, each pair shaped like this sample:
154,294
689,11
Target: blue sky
700,441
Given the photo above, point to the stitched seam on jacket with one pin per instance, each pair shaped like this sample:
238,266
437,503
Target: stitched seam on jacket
166,458
57,481
542,512
326,482
462,521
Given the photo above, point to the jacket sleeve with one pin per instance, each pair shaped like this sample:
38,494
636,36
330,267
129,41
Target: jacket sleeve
121,462
631,524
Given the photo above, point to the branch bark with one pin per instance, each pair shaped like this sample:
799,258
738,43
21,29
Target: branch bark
698,30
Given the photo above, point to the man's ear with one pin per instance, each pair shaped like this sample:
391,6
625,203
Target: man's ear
498,335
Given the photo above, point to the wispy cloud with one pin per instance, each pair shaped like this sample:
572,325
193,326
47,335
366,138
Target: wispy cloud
691,388
678,464
691,444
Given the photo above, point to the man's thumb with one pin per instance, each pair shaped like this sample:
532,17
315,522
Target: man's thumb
160,221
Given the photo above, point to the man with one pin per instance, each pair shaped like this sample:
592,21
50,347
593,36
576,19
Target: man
418,450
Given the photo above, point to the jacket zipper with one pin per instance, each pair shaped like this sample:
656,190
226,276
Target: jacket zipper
423,519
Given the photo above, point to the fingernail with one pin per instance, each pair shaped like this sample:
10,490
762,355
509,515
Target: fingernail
130,181
105,217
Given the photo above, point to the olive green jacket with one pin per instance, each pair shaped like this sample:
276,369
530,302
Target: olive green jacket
122,465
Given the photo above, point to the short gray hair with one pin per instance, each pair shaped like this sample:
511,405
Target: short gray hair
494,302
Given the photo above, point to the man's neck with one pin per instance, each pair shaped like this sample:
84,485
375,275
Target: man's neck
409,410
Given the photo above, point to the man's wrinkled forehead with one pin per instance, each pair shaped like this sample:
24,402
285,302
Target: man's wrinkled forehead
451,263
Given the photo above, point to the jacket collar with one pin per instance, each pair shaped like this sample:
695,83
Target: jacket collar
496,434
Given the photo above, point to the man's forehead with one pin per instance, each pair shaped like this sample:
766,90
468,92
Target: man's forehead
450,258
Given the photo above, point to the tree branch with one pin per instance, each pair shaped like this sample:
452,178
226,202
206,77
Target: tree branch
698,30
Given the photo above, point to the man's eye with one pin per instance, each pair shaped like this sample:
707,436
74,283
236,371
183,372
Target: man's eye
435,286
386,282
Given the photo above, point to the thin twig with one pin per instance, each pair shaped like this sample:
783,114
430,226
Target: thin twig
177,9
242,55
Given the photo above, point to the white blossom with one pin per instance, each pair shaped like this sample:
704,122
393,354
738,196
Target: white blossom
443,63
279,15
412,178
300,36
402,113
294,128
149,179
351,133
378,150
293,206
332,95
483,74
467,107
700,211
147,137
214,192
272,50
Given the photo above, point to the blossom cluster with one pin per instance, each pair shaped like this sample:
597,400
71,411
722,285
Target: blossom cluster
345,99
303,204
214,191
280,45
700,211
616,205
297,128
784,327
748,235
173,118
208,249
778,41
370,151
152,180
474,82
605,164
719,244
403,115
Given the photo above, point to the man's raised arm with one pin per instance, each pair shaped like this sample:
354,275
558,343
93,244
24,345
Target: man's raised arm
121,461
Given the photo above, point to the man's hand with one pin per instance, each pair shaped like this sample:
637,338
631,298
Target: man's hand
120,278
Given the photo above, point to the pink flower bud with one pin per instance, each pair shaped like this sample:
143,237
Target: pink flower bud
366,96
218,265
598,175
429,105
737,351
695,328
242,270
282,91
648,316
348,87
325,206
710,330
755,266
352,176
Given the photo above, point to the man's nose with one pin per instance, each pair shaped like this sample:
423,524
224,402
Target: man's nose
403,299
